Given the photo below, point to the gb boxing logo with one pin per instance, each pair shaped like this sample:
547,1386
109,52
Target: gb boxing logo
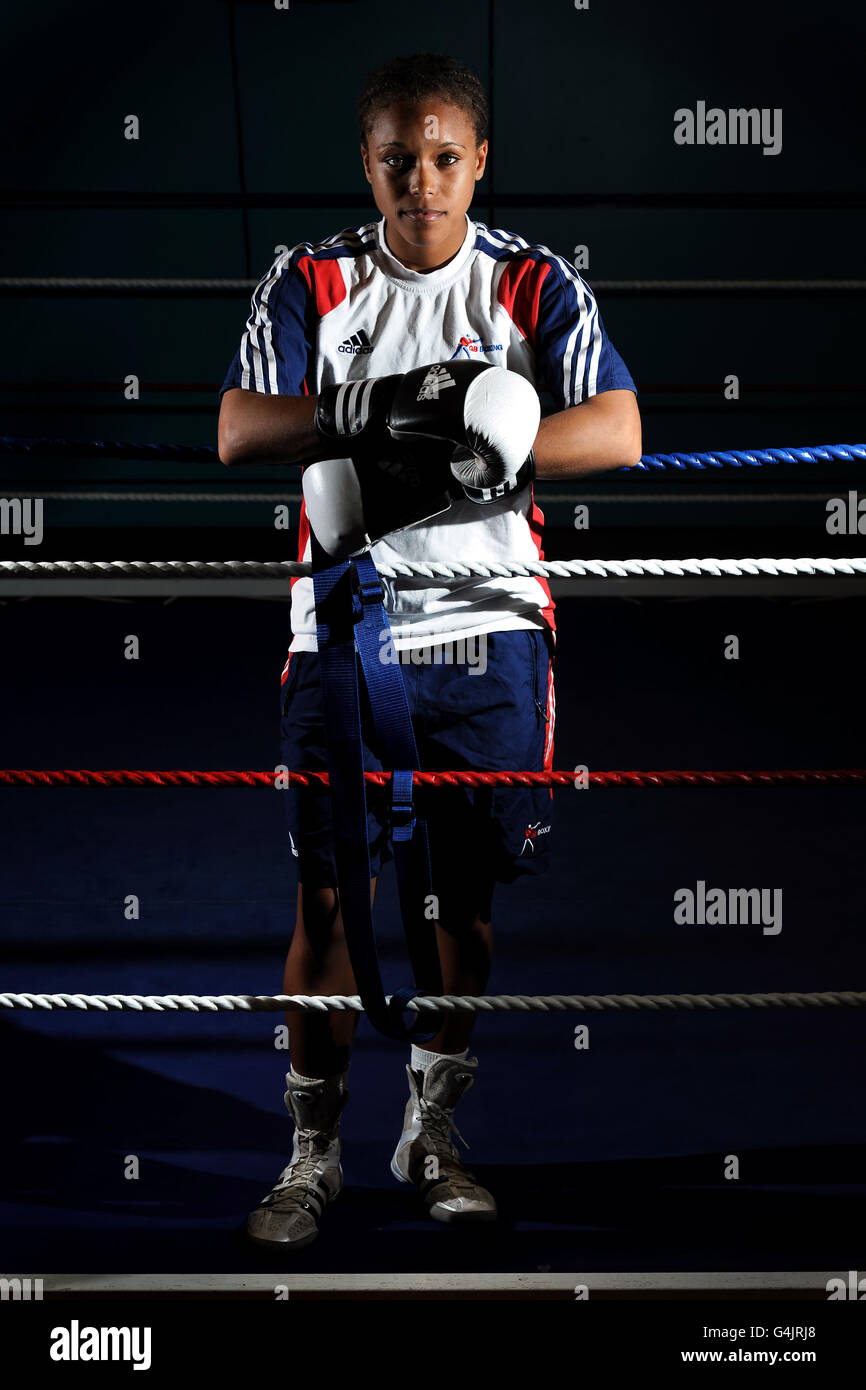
531,834
468,345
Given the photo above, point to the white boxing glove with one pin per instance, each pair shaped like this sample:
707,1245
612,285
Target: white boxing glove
501,415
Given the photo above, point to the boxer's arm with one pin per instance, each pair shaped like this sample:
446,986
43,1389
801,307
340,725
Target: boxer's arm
601,433
256,428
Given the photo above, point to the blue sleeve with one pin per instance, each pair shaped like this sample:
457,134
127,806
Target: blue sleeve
574,356
277,350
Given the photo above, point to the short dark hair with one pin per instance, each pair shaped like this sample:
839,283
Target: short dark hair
414,76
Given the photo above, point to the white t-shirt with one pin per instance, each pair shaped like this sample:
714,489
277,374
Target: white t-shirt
346,309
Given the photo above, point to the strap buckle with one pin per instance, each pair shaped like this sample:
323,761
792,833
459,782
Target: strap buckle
366,593
402,805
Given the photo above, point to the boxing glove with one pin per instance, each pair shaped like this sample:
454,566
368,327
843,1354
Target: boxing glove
485,417
413,443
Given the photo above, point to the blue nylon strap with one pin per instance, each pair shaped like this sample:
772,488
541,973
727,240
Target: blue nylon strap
392,722
397,1007
345,616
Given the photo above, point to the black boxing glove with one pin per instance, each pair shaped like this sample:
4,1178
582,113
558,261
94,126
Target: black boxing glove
414,442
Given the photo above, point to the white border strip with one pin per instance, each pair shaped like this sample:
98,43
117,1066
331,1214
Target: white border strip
734,1281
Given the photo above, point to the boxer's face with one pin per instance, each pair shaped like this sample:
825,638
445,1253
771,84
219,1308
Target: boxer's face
422,157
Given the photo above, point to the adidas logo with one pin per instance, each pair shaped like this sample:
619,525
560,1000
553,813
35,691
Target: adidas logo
358,342
436,380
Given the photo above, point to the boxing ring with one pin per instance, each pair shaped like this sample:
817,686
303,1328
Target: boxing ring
816,992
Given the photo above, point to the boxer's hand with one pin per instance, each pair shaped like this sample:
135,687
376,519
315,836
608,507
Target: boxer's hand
485,417
490,414
405,446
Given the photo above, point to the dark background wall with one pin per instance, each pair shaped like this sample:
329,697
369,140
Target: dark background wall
248,141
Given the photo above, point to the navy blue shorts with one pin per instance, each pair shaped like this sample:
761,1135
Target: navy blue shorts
490,708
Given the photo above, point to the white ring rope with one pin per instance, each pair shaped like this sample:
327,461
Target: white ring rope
440,570
451,1003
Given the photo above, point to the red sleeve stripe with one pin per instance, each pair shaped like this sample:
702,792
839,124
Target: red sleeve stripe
325,282
519,293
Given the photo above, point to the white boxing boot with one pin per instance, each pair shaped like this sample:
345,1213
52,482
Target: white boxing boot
288,1218
425,1155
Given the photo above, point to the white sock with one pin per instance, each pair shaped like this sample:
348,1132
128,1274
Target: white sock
317,1080
421,1060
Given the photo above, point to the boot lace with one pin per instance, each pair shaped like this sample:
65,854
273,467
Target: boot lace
290,1190
438,1125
